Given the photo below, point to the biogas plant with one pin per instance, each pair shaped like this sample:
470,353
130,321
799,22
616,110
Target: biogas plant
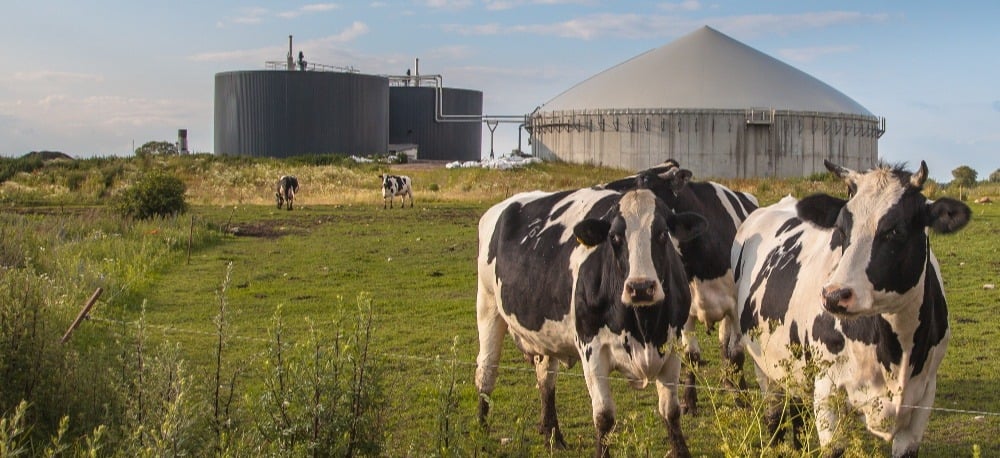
707,100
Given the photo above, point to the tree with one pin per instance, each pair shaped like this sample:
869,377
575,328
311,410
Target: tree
154,148
995,176
965,176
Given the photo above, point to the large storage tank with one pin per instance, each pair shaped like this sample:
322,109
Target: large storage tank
280,113
719,107
444,123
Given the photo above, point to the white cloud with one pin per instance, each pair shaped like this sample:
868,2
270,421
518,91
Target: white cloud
644,25
258,55
55,76
810,54
500,5
686,5
250,16
311,8
448,4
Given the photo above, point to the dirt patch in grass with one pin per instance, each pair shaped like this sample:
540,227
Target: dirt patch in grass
266,229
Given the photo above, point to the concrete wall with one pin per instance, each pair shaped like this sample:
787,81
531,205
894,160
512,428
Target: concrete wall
711,143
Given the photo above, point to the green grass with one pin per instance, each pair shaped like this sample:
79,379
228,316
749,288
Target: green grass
419,266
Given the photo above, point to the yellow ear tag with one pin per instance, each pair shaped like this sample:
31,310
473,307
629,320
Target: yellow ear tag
581,242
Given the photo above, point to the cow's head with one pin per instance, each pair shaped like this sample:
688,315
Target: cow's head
639,235
881,232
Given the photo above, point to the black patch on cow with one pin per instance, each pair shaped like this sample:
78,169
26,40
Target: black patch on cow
840,238
899,249
535,273
825,332
788,225
820,209
933,320
749,317
628,348
588,353
875,330
793,334
778,275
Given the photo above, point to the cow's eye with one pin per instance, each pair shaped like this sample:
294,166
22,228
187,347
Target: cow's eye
894,235
616,239
663,237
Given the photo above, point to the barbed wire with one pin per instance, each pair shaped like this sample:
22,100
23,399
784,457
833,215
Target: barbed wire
507,368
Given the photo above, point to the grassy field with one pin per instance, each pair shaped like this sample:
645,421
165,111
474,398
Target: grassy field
418,267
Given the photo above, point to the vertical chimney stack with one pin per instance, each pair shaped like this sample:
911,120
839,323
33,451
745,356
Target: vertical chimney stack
416,71
291,60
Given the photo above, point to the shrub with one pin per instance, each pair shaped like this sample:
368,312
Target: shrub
155,194
995,176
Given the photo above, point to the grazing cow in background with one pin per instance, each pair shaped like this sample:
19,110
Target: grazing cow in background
589,275
852,288
706,261
396,185
288,185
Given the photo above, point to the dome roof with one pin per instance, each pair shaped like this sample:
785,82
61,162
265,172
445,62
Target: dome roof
704,69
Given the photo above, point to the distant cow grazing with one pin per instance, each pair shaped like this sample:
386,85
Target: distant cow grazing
852,288
706,261
288,185
396,185
588,275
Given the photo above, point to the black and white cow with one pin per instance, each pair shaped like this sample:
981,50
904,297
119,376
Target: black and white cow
706,261
589,275
288,185
396,185
846,296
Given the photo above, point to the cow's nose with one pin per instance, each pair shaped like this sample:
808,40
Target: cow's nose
837,299
641,290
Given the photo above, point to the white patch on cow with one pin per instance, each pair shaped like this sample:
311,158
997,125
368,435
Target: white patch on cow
723,194
638,210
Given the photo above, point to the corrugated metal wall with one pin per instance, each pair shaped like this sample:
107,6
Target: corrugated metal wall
286,113
412,120
711,143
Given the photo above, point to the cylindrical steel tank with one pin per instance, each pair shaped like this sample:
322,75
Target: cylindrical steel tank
278,113
438,132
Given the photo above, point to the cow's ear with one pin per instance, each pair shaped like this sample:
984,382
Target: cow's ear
591,232
947,215
686,226
820,209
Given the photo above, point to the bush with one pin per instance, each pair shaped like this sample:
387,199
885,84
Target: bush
995,176
155,194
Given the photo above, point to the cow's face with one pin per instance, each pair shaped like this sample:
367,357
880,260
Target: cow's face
882,237
639,234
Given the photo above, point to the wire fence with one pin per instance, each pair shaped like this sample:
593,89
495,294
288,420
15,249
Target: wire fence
437,358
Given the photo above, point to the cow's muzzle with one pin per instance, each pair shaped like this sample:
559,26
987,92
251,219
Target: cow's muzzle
642,291
838,300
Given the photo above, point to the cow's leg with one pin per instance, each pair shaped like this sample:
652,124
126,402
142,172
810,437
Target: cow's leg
596,371
689,339
546,370
906,442
669,407
826,415
733,356
411,198
492,329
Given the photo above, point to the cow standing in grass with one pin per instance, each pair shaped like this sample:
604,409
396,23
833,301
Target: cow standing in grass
845,296
589,275
288,185
396,185
706,261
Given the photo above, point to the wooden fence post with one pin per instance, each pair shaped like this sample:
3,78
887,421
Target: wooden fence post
82,315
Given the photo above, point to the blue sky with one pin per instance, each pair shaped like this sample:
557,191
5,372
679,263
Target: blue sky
94,78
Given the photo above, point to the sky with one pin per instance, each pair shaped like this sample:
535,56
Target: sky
99,78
